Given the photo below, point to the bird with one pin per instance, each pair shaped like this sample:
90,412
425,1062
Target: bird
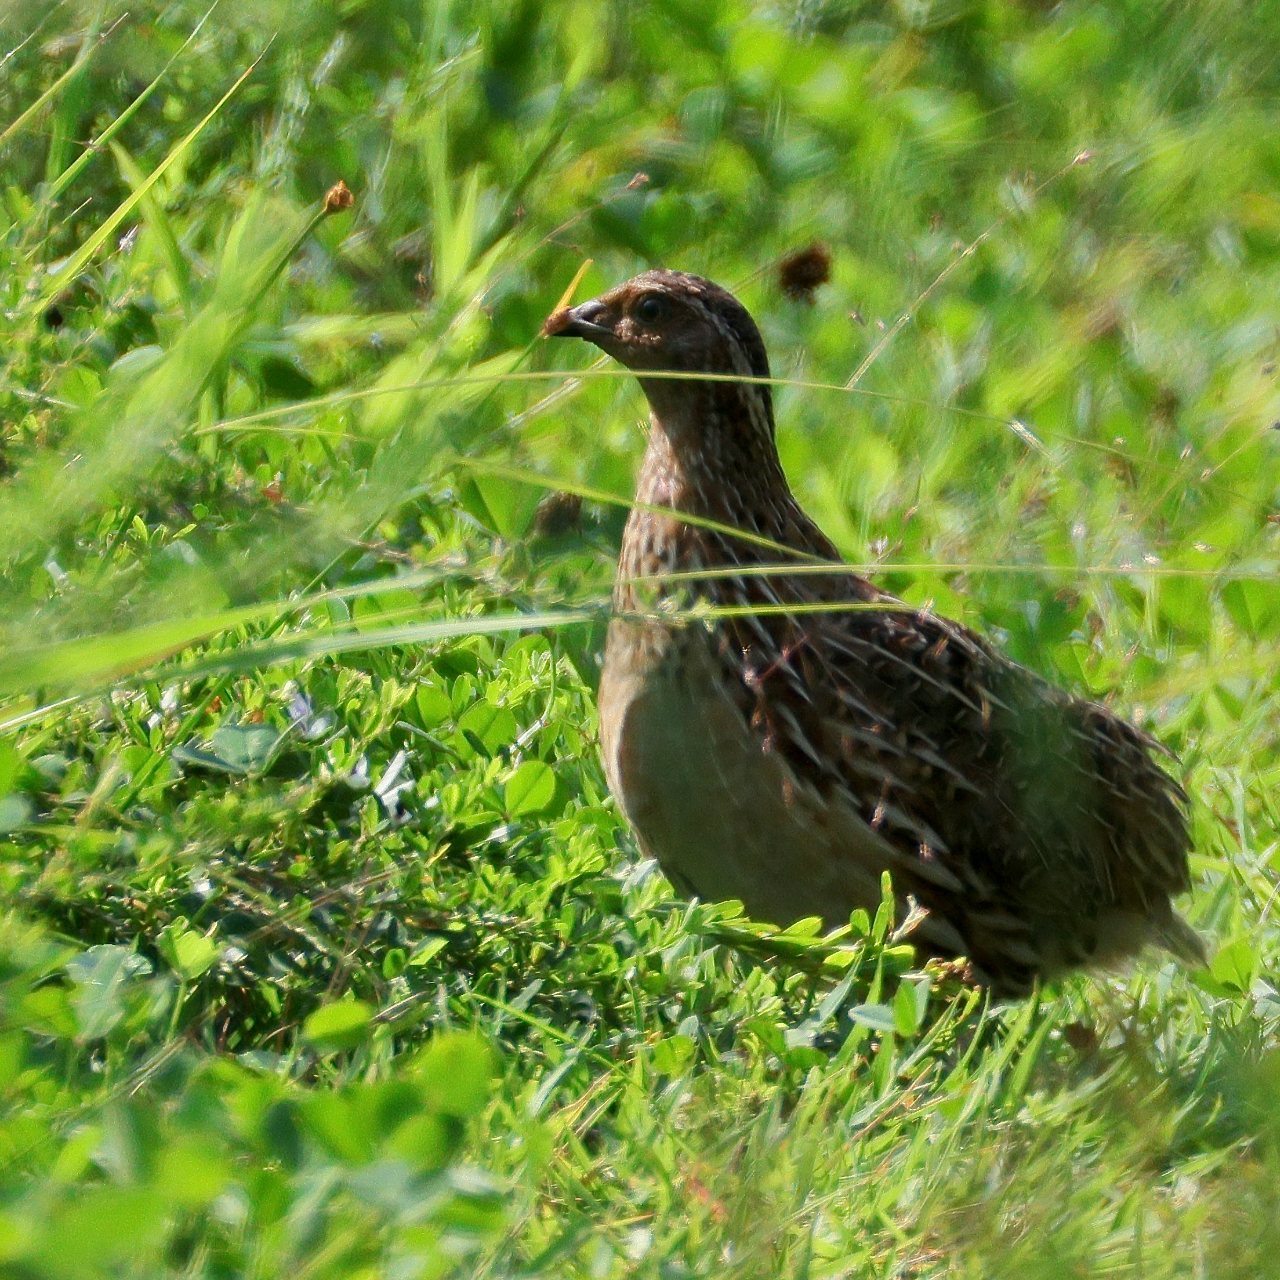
778,730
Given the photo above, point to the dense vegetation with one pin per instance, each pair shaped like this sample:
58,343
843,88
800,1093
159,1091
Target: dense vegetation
324,952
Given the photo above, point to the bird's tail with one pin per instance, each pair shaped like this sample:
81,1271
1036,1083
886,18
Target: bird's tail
1178,937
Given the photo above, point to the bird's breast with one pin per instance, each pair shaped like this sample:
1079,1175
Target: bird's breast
725,816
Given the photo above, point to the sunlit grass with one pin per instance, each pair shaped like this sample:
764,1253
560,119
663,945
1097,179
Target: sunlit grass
325,951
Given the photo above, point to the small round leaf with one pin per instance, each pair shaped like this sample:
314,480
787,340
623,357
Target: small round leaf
338,1026
531,788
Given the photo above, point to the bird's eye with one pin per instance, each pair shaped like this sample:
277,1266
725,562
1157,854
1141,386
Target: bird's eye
650,308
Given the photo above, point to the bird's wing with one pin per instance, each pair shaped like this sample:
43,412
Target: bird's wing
1014,798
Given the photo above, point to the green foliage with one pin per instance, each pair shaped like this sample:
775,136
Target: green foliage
228,1169
325,950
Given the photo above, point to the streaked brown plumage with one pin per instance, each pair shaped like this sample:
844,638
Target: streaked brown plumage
788,757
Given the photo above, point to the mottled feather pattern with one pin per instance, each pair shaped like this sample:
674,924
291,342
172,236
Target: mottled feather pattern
1035,828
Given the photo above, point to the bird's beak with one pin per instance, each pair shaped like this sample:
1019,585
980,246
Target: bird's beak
589,321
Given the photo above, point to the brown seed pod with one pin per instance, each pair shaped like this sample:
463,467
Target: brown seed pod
801,273
557,514
338,198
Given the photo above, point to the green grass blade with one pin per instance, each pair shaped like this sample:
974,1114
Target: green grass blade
78,260
100,660
87,50
55,188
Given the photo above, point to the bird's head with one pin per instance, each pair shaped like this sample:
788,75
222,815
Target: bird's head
669,321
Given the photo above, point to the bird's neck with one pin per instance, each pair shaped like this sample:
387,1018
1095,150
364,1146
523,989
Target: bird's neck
712,454
714,470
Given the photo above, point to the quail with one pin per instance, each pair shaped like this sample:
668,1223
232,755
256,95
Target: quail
782,735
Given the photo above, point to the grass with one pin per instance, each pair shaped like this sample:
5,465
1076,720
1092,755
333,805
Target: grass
324,950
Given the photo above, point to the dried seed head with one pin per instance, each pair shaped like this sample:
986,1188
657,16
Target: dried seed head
557,514
338,198
801,273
